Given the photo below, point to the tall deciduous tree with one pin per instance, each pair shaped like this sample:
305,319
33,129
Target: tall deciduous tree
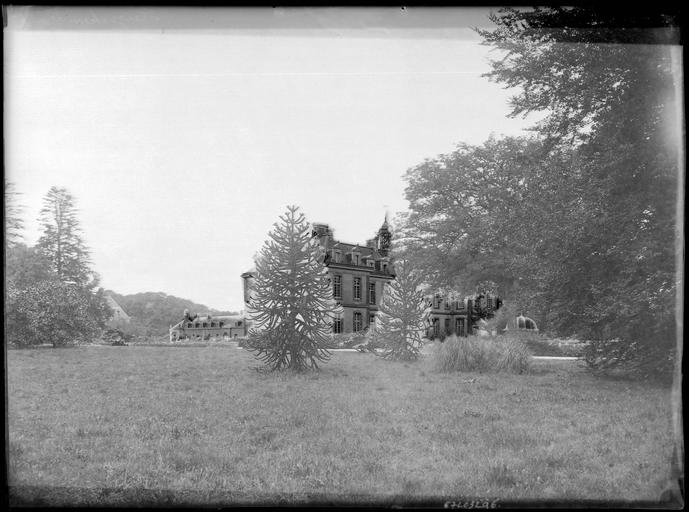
402,316
607,81
577,226
61,241
292,303
488,213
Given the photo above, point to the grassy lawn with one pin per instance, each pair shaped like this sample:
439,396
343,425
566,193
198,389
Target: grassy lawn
186,425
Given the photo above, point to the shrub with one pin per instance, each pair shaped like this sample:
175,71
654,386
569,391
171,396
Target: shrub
474,353
348,340
540,345
50,311
632,358
116,337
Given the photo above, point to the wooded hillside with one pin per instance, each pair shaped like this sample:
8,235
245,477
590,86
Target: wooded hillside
152,313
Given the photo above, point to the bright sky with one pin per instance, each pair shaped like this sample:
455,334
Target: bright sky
184,133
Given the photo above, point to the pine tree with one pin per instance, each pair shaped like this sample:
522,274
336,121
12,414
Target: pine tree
292,303
402,315
61,241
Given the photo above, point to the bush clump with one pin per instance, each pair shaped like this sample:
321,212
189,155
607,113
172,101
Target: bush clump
541,345
630,358
475,353
349,340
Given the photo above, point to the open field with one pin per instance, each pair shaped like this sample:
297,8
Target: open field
182,425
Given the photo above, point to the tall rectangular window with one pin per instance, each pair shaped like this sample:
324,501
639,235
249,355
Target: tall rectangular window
371,293
357,288
337,287
337,326
357,322
459,326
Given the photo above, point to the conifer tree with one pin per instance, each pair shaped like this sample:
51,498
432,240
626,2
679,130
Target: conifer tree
402,315
13,222
61,241
291,300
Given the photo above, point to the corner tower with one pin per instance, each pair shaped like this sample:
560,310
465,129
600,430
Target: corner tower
383,238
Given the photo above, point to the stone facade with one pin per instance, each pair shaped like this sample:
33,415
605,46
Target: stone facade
458,316
203,327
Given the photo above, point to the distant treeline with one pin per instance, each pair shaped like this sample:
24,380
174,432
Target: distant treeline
152,313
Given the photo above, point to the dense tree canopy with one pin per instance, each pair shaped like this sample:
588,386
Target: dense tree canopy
51,294
53,312
577,225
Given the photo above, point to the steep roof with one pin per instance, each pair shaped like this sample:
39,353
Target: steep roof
345,248
117,309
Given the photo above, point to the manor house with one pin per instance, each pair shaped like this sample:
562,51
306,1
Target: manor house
450,315
204,327
358,273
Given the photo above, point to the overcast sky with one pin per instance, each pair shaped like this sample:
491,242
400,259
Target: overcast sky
184,133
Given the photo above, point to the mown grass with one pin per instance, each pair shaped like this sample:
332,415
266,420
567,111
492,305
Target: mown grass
151,425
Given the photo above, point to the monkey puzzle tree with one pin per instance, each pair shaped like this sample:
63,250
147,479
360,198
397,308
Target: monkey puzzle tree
291,300
402,316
